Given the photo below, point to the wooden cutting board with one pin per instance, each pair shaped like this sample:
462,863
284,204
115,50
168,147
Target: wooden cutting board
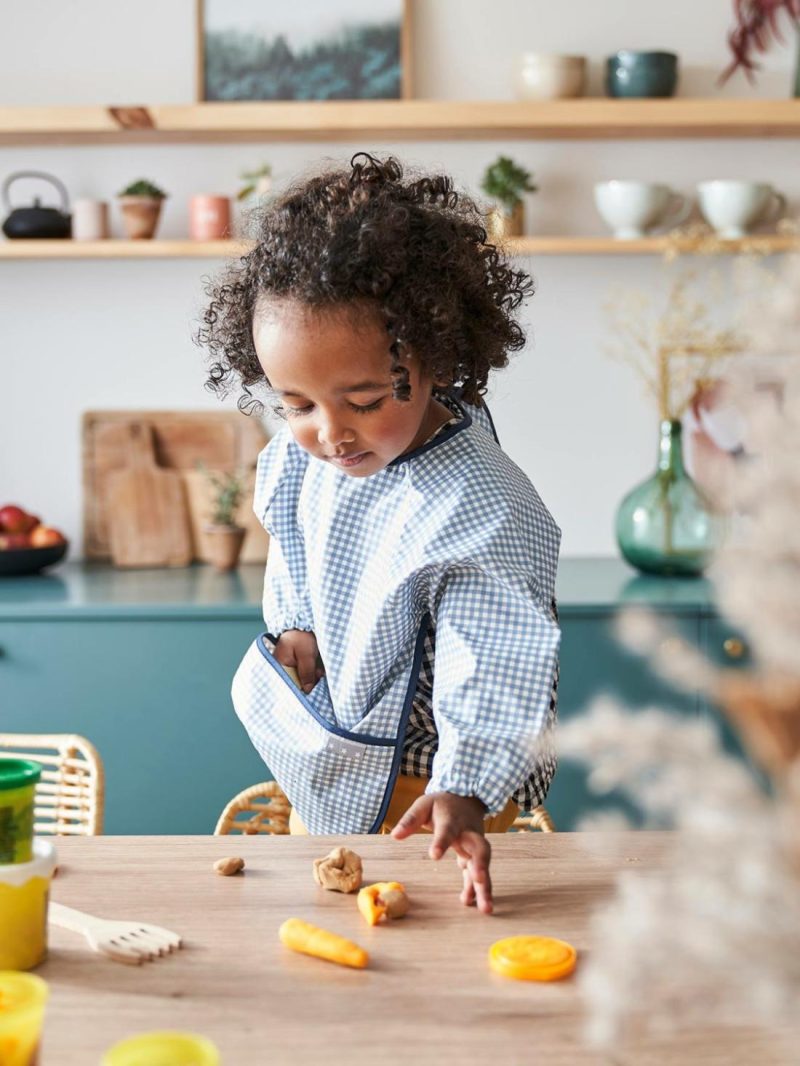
220,440
148,519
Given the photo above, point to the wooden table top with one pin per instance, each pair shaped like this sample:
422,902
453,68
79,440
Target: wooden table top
428,995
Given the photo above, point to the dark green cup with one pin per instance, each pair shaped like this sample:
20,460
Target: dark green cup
641,74
18,778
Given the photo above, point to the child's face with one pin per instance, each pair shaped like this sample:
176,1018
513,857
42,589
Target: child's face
331,377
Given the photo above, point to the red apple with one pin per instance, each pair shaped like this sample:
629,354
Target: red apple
10,541
14,520
46,537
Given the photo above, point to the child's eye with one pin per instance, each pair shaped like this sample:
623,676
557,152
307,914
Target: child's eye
363,409
292,412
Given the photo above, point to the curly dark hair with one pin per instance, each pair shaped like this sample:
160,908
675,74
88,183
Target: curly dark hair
414,248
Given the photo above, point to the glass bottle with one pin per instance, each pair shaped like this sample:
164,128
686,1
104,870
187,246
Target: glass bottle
667,525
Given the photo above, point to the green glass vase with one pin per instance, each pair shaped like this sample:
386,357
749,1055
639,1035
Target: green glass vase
667,524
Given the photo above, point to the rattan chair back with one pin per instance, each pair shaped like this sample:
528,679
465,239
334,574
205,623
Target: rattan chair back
70,796
538,818
262,808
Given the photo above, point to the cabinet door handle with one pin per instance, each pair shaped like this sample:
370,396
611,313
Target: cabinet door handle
733,647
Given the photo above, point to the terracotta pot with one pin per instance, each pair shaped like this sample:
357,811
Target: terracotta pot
500,225
224,545
140,216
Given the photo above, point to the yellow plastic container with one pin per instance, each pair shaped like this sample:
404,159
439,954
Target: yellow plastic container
18,779
163,1049
22,1001
24,892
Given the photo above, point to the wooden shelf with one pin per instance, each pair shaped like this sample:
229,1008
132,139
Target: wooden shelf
765,244
519,246
113,249
401,120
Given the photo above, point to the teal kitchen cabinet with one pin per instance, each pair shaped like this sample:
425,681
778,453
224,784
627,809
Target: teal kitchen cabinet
591,593
141,663
146,676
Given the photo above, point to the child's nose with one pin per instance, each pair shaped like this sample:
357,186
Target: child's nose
333,433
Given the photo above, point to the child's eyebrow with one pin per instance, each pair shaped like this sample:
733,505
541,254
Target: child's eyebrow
362,386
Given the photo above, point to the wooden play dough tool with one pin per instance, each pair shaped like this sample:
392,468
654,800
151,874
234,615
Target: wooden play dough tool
532,958
129,942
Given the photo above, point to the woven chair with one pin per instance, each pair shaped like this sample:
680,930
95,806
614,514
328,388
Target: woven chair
538,818
262,808
70,795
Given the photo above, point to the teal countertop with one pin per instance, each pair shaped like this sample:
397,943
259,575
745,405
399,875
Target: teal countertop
75,590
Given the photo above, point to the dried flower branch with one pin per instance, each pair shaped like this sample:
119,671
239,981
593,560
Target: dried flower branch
757,24
713,938
675,352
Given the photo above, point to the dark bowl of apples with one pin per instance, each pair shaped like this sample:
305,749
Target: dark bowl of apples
26,544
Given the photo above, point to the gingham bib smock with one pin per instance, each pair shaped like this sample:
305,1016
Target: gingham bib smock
450,539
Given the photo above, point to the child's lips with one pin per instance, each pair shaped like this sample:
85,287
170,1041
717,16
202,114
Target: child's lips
348,460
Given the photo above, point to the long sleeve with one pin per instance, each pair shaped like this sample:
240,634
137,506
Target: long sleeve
286,600
497,647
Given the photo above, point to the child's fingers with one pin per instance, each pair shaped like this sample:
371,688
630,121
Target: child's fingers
468,891
306,666
474,853
416,817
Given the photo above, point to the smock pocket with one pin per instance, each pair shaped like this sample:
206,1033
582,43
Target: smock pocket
339,781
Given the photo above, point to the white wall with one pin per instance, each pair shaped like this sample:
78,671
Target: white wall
88,334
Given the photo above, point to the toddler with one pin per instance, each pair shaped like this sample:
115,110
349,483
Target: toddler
411,574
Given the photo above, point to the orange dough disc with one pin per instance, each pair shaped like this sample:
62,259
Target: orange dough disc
532,958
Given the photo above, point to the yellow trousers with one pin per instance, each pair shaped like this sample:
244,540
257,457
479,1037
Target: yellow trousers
406,790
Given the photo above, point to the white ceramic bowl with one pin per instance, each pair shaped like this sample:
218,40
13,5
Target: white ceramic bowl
542,76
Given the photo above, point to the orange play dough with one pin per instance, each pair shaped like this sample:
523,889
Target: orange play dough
532,958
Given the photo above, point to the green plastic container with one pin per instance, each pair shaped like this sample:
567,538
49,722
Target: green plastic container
18,778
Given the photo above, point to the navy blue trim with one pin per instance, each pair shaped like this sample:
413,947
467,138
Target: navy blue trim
491,420
360,738
401,729
441,438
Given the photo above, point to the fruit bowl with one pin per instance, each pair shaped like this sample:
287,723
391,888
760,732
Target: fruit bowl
20,561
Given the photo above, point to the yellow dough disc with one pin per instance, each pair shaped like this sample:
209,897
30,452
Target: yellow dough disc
532,958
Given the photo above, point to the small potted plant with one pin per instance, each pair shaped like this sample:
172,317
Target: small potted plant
505,182
224,536
140,203
258,182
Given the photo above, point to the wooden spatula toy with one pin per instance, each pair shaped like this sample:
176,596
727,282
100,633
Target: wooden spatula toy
129,942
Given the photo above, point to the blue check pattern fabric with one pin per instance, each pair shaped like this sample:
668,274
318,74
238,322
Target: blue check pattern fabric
434,578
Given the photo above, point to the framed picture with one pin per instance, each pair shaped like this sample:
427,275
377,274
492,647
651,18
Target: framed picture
303,50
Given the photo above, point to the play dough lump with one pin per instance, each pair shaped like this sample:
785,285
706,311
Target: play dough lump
386,899
339,871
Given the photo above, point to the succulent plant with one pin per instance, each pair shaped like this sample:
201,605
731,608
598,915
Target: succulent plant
143,188
505,182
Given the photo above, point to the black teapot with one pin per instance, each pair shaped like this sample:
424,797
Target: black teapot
36,221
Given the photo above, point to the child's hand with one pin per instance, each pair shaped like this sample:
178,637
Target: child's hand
456,822
298,650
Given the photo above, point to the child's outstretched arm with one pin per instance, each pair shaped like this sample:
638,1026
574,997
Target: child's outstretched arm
457,823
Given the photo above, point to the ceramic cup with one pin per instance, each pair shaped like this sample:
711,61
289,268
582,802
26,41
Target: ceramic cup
542,76
89,220
630,208
637,74
209,218
732,207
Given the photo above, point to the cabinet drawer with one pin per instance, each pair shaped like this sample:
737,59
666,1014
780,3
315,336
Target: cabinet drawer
153,696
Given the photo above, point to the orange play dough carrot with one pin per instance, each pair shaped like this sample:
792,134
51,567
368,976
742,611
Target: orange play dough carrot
309,939
532,958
